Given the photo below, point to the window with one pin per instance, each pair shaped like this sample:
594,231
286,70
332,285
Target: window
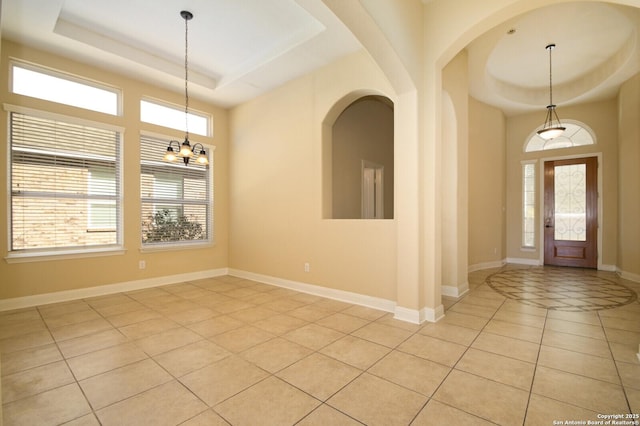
528,204
576,134
65,183
174,118
177,199
57,87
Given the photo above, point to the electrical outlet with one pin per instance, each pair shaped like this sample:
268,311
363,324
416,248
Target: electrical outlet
142,264
307,267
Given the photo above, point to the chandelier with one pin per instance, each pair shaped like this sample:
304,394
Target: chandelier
184,151
552,127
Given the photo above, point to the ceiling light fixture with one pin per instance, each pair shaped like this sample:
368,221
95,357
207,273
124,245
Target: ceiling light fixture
184,150
552,127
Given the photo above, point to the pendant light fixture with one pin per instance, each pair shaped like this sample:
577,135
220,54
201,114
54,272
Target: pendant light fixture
552,127
184,150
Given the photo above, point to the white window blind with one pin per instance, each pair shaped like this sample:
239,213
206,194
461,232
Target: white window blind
177,199
65,184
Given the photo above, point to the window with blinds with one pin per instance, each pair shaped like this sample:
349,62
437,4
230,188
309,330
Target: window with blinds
65,184
177,199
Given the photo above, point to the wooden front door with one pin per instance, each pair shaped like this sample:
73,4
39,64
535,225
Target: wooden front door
571,212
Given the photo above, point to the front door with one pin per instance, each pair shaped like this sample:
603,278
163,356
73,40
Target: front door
571,212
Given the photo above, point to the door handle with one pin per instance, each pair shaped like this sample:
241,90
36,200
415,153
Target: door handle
547,223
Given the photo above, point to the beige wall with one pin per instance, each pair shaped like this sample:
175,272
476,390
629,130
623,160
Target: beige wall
629,179
602,118
31,278
276,186
487,197
364,131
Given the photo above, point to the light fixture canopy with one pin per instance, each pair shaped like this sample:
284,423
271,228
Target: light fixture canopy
185,151
552,127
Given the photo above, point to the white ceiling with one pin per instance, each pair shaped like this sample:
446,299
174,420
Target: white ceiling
240,49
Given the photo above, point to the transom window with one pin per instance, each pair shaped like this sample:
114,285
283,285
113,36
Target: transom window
174,118
576,134
64,89
177,199
65,184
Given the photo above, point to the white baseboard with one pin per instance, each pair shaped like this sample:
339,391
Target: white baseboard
485,265
415,316
104,290
453,291
316,290
523,261
628,275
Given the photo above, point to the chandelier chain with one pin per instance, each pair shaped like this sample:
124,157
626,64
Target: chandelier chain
550,76
186,76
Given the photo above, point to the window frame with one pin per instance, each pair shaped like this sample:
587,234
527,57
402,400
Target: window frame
533,205
70,252
70,78
179,109
184,244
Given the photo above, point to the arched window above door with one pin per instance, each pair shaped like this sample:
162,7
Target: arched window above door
576,134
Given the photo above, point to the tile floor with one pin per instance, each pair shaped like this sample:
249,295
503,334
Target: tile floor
231,351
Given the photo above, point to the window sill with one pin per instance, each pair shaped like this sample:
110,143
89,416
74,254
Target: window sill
44,256
176,247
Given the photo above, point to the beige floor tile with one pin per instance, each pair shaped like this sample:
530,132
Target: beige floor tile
449,332
584,330
634,400
520,318
465,307
233,305
593,394
437,413
390,320
191,357
97,362
63,308
177,307
147,328
375,401
621,336
35,380
313,336
382,334
216,325
363,312
72,318
28,358
116,385
325,415
108,300
284,304
20,328
544,411
285,404
230,375
513,306
280,324
624,352
86,420
55,406
354,351
80,329
627,324
275,354
132,317
92,342
252,315
168,404
414,373
436,350
310,313
343,323
464,320
167,340
577,363
333,305
516,331
206,418
241,339
193,316
499,368
19,315
572,342
581,317
120,309
319,375
484,398
630,374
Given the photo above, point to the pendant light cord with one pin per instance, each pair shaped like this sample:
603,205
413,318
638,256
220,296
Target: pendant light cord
550,48
186,75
